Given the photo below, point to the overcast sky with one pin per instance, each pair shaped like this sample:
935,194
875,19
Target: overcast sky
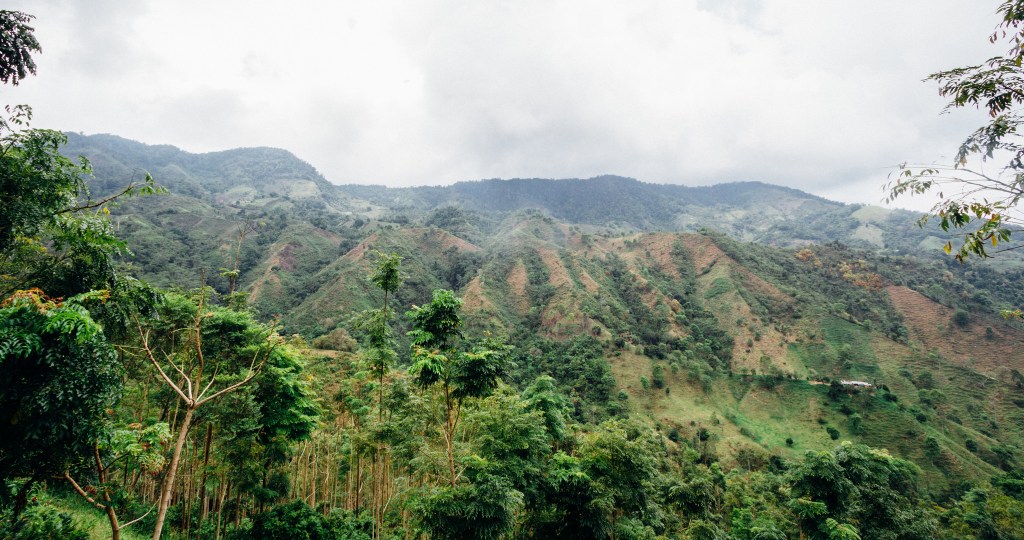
821,95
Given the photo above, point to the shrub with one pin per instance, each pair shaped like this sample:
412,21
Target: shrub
658,376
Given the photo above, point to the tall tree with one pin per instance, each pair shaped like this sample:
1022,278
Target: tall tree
438,360
201,354
387,277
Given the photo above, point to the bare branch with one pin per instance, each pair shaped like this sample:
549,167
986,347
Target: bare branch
78,489
131,187
254,370
136,520
227,389
149,353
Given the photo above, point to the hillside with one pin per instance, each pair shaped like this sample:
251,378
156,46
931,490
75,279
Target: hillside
270,179
698,332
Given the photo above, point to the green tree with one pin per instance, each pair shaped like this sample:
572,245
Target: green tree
858,484
483,508
381,356
134,446
60,378
437,360
980,205
17,43
621,459
53,234
210,352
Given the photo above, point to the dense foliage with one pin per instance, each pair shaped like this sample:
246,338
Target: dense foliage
555,375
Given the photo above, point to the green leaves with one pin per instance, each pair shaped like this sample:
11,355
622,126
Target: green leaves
17,43
979,203
60,378
438,324
387,275
428,367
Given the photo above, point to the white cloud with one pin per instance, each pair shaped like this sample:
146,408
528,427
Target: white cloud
823,96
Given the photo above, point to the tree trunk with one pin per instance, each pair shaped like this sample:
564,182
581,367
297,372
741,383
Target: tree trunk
449,434
203,499
165,496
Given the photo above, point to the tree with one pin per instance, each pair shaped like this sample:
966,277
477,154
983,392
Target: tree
437,360
858,484
199,347
980,205
136,445
17,43
53,234
381,355
60,378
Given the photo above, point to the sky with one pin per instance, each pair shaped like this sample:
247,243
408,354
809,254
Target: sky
821,95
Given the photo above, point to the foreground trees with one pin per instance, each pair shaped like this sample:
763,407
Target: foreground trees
60,377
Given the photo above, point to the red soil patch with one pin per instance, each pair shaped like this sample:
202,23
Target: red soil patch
474,299
930,324
285,259
558,275
334,239
660,247
704,253
588,282
517,282
359,251
702,250
447,240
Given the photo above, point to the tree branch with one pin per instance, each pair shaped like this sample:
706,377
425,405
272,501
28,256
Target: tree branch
149,352
131,187
80,491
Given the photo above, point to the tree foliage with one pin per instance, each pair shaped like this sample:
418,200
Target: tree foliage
979,205
61,377
17,43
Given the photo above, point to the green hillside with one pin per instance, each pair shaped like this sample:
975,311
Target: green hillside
726,338
745,334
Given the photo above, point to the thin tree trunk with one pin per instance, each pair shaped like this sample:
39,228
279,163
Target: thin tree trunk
449,434
203,499
165,497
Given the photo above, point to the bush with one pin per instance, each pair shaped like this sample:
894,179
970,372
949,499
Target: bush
297,521
832,432
41,520
336,340
658,376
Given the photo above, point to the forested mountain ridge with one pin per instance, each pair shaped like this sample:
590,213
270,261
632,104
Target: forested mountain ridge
709,366
263,177
551,260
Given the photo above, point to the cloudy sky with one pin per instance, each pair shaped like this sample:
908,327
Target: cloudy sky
822,95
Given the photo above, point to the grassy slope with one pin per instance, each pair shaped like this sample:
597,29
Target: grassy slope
740,410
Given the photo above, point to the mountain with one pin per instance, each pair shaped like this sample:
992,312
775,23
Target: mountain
270,179
727,312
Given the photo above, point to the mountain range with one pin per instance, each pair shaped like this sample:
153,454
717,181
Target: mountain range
735,309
